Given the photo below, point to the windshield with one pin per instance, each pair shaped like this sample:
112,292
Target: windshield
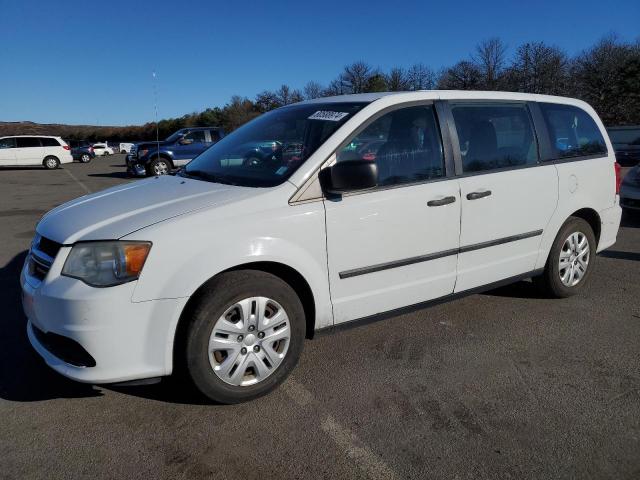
266,151
174,136
628,136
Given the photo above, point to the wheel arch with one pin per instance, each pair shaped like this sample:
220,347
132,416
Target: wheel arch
286,273
592,217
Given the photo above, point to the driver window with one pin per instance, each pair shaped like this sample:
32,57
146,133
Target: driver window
405,144
195,137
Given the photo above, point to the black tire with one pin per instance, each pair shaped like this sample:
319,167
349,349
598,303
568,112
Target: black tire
221,293
156,166
123,152
549,282
50,162
85,158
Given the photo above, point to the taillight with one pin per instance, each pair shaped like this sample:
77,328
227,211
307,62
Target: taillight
90,149
616,167
66,147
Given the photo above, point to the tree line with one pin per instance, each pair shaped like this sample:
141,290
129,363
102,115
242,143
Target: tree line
606,75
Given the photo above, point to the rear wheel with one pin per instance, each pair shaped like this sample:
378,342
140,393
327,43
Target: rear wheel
85,158
570,260
245,336
159,166
51,163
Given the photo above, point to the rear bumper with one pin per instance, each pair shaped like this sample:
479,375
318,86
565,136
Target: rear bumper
68,158
610,224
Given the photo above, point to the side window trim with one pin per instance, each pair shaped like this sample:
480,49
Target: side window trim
455,140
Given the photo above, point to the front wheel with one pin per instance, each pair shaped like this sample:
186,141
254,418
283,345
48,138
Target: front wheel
570,260
51,163
159,166
244,337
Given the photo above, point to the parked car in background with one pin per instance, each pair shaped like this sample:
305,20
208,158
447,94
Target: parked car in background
626,143
221,271
159,158
630,189
102,149
81,150
26,150
125,147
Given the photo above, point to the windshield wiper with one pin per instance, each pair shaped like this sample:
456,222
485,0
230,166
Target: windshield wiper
209,177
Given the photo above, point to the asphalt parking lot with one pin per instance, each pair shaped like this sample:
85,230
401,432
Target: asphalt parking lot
499,385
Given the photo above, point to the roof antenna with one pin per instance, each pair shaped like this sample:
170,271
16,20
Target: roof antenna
155,106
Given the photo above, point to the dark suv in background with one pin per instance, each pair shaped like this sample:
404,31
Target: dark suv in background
159,158
81,150
626,143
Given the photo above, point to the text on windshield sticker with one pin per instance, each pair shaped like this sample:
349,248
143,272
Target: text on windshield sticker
327,115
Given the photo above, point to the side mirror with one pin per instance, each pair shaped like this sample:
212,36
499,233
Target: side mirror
349,176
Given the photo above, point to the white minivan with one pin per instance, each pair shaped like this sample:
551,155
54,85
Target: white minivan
29,150
361,206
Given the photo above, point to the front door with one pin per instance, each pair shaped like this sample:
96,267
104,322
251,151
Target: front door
508,197
395,245
190,146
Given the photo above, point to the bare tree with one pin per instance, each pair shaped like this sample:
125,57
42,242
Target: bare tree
267,100
463,75
312,90
420,77
490,57
355,77
397,80
538,68
286,95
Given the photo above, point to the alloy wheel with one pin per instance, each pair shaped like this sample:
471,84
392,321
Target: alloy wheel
249,341
574,259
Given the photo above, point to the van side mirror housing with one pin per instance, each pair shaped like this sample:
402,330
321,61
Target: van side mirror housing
349,176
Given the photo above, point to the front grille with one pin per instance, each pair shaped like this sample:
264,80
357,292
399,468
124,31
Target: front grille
43,253
38,267
49,247
64,348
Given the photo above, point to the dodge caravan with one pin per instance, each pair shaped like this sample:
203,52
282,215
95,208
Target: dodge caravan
365,205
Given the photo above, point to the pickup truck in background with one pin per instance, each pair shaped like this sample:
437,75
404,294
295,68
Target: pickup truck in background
160,158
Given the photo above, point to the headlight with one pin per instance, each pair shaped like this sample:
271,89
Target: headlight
105,264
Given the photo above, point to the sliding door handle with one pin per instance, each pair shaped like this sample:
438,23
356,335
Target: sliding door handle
477,195
441,201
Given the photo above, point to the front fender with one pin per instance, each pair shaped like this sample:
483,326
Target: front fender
189,250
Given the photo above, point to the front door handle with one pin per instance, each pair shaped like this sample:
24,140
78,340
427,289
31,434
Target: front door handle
477,195
441,201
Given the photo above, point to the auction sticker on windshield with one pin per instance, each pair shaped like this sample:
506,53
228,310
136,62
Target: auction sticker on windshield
328,115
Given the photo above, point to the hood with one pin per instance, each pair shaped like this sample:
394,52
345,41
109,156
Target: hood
116,212
151,144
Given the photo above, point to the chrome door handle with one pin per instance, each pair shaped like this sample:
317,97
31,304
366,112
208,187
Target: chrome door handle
477,195
441,201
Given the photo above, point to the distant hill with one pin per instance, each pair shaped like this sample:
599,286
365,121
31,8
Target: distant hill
74,132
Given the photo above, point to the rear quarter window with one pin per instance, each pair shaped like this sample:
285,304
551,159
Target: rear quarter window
572,131
50,142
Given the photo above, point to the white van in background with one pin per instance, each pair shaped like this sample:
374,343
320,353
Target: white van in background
27,150
125,147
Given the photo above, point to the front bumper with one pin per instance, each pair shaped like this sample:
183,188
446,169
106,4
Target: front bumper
127,340
135,167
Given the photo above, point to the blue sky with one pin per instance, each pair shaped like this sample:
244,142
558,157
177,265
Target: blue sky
91,62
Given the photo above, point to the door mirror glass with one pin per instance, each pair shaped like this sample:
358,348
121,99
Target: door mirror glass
349,176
